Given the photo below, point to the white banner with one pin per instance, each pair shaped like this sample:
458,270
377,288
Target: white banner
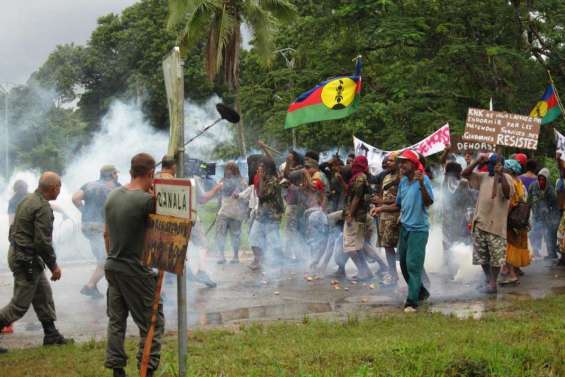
560,144
432,144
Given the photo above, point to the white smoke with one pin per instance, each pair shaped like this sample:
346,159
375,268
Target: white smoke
124,132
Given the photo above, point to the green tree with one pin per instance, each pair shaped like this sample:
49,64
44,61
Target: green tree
219,23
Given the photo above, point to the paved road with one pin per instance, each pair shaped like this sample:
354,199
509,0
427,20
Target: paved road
280,293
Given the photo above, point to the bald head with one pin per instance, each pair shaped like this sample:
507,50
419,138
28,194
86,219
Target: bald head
49,185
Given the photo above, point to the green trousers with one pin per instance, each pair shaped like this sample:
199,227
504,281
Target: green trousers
412,251
34,290
131,294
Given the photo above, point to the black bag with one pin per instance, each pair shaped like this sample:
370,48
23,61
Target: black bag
519,216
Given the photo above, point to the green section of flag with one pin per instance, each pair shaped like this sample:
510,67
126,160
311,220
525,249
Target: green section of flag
551,115
318,113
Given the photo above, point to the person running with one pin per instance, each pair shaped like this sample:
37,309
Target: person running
415,196
264,233
31,250
232,211
489,224
456,201
388,222
90,201
355,214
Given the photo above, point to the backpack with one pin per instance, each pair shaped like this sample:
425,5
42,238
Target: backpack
519,216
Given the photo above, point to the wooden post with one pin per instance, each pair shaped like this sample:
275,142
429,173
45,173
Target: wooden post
151,330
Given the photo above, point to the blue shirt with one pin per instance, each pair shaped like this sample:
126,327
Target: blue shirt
413,213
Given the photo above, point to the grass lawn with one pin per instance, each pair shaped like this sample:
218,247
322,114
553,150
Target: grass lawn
527,339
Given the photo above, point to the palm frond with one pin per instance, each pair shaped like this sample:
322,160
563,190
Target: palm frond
282,10
220,30
178,11
263,24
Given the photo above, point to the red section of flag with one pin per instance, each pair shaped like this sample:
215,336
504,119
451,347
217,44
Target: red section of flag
313,99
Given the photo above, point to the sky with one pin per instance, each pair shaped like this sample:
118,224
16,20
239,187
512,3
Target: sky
31,29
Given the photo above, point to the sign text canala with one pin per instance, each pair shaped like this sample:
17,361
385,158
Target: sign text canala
174,197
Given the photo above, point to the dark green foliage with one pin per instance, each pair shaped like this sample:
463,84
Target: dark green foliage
425,63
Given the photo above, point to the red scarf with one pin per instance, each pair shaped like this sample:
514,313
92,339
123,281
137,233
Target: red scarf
360,166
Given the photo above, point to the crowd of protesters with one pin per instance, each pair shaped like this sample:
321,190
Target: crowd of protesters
307,211
507,209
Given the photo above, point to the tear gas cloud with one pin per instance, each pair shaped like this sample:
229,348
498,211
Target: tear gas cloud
124,133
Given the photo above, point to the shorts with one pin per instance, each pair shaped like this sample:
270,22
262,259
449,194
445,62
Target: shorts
488,248
389,232
265,235
353,236
94,232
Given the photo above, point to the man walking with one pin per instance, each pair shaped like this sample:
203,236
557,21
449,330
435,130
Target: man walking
131,285
414,197
490,221
90,201
31,249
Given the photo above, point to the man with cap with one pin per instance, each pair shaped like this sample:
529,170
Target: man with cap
90,201
31,249
168,168
413,198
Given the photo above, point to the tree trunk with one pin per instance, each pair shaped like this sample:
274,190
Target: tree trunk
241,134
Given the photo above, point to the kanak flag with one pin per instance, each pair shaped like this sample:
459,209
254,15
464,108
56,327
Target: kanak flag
335,98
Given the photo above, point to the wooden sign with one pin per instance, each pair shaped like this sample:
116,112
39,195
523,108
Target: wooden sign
494,127
174,197
459,145
166,240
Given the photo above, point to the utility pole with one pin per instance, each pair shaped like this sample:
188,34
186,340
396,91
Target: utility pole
5,89
286,54
173,70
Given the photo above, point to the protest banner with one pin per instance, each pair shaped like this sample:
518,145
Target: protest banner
459,145
500,128
559,143
432,144
166,241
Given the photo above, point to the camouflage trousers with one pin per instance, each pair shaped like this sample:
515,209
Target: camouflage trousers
488,248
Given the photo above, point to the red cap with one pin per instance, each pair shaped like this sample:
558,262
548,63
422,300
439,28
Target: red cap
412,156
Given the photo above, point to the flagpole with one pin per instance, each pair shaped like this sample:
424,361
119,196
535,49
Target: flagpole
556,94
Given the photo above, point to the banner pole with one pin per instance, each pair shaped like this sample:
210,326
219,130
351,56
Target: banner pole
556,94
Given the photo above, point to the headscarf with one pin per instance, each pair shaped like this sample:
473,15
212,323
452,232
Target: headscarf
513,165
521,158
360,166
492,161
412,156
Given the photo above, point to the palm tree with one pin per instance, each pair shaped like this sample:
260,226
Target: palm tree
218,22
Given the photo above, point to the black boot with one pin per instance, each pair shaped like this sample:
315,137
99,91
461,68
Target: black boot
52,335
119,372
3,350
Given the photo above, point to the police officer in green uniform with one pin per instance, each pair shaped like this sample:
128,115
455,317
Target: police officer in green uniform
31,249
131,285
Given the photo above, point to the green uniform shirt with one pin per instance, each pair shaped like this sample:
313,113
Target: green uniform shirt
32,230
127,213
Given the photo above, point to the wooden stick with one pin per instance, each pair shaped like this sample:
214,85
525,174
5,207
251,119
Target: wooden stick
556,94
151,331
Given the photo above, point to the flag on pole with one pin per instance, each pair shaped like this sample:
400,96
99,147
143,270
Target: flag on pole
548,107
335,98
